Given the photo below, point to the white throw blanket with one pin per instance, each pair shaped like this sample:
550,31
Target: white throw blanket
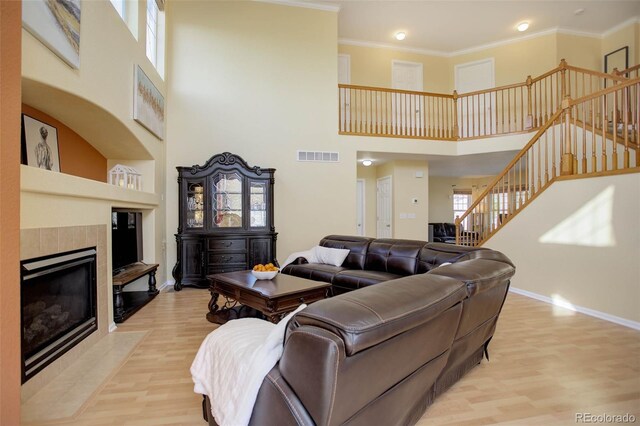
309,255
232,363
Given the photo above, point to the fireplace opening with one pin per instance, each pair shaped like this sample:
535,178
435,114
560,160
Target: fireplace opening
58,306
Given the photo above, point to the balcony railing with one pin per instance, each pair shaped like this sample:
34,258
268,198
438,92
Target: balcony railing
516,108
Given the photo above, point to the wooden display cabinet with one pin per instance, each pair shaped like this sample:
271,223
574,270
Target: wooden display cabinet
225,219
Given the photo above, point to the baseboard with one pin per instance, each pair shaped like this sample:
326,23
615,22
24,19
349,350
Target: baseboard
591,312
166,286
112,327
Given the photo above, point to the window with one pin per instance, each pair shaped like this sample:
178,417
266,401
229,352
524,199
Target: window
461,203
120,8
155,34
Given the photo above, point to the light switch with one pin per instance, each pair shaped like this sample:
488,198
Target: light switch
419,174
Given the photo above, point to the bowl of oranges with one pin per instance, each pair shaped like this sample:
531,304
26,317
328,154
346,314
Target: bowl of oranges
265,272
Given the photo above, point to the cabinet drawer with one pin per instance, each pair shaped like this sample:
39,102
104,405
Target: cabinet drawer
220,244
219,269
227,258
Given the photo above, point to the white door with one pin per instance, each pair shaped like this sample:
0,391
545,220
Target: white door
385,214
344,77
475,112
406,108
360,207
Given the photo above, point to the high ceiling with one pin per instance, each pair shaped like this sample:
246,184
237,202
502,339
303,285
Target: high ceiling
449,27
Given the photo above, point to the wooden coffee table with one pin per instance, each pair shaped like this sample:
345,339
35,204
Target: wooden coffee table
247,296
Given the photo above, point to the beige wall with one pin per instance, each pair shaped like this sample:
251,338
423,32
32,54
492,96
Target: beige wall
96,102
371,66
9,212
626,36
515,61
259,80
405,187
594,266
579,51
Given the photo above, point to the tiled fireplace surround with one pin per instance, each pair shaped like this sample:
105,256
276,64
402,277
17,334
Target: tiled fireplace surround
45,241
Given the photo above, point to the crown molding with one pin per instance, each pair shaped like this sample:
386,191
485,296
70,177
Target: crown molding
630,21
363,43
303,4
550,31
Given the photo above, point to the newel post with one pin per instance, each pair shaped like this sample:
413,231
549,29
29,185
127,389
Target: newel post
455,114
568,158
563,79
529,103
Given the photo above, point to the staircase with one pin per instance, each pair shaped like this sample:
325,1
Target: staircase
594,134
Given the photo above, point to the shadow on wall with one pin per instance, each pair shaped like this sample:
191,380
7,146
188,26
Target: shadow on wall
589,226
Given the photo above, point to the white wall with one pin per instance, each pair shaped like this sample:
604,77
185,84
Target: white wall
259,80
578,242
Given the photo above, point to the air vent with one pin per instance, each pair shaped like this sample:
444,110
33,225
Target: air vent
321,156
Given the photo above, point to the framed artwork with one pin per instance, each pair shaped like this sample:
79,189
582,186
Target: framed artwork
617,59
56,23
148,104
40,144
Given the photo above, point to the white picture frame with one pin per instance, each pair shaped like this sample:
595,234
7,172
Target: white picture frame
148,104
55,23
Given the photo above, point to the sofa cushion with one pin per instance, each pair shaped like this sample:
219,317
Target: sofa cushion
357,248
331,256
377,313
398,257
313,271
353,279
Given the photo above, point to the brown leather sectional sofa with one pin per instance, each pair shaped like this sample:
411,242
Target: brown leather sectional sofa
400,330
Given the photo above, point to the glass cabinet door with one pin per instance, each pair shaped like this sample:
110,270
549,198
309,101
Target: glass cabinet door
195,205
227,200
258,204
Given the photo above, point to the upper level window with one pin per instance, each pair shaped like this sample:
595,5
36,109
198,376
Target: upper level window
155,34
120,8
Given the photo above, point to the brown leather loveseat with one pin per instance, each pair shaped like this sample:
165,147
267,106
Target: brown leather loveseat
380,355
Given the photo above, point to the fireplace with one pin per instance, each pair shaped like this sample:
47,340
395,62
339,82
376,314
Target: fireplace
58,306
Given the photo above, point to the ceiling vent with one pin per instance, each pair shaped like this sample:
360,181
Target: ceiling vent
320,156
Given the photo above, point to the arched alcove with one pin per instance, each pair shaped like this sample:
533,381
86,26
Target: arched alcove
104,131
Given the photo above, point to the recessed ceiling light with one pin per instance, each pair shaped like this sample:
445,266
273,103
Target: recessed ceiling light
400,35
578,11
523,26
367,163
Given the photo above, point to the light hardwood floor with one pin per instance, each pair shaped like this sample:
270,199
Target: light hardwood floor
547,364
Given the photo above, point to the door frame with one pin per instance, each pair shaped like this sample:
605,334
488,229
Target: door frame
363,198
417,64
348,58
390,177
458,67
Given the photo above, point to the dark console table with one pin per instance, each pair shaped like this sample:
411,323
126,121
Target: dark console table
126,303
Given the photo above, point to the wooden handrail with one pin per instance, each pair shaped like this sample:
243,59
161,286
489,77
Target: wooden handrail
546,74
513,162
383,89
495,89
604,92
595,73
